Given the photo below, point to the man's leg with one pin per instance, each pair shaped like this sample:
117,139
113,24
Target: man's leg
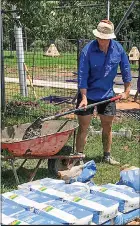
84,122
106,123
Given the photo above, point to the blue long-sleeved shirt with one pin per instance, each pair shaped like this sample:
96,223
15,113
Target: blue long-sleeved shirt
97,70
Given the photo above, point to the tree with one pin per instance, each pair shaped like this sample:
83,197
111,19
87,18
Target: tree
50,20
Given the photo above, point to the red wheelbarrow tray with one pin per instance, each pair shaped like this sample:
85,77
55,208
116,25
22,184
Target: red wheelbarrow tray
48,144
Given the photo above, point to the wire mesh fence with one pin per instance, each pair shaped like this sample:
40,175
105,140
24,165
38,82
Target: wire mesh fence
41,74
49,73
129,113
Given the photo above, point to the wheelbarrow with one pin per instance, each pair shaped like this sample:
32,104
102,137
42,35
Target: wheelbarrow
54,136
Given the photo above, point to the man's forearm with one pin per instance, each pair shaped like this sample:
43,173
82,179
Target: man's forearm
83,93
127,87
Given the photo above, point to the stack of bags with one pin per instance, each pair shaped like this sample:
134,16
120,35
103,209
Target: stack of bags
128,201
34,206
50,202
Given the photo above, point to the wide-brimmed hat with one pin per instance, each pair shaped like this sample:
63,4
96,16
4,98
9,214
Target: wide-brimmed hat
105,30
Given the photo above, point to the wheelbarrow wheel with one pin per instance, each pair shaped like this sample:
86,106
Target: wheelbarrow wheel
55,165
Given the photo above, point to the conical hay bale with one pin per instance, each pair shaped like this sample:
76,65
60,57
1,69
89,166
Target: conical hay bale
52,51
134,53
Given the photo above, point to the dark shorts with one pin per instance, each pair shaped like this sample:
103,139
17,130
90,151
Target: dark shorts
103,109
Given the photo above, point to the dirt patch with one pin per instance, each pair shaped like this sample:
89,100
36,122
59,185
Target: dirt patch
128,108
128,105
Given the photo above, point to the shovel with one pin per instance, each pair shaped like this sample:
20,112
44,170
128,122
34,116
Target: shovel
34,129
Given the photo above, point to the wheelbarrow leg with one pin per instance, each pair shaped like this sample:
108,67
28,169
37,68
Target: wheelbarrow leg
22,164
74,163
74,138
35,170
14,171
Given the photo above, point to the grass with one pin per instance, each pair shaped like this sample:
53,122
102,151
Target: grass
65,60
126,124
124,150
13,89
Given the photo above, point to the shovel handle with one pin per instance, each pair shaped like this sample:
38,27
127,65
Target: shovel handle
80,109
115,98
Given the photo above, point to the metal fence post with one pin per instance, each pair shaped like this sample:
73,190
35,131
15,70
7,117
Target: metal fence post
125,17
108,9
20,54
78,53
2,69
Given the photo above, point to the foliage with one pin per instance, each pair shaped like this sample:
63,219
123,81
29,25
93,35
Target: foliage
29,106
65,45
51,20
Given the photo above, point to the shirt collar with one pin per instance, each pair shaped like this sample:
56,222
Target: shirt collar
96,46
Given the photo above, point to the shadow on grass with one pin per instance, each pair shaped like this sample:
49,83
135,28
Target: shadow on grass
8,179
96,159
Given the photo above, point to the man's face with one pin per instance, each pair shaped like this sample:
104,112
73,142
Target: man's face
103,42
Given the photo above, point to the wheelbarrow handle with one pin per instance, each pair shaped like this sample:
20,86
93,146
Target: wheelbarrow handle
80,109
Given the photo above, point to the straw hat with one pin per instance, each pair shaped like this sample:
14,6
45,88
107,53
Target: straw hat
105,30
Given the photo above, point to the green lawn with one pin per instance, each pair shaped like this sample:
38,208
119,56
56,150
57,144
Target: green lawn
124,150
65,60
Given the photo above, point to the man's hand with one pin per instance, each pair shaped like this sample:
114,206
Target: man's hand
83,103
126,92
124,96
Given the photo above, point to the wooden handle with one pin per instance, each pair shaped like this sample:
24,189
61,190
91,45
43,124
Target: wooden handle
30,80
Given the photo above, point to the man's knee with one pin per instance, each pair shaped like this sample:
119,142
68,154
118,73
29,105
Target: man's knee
82,129
84,122
107,128
106,123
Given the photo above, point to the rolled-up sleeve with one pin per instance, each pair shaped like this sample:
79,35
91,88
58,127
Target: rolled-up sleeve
83,71
125,68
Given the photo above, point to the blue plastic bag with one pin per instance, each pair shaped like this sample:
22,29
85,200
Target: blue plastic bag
88,172
130,178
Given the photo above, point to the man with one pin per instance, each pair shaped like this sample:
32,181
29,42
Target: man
98,65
